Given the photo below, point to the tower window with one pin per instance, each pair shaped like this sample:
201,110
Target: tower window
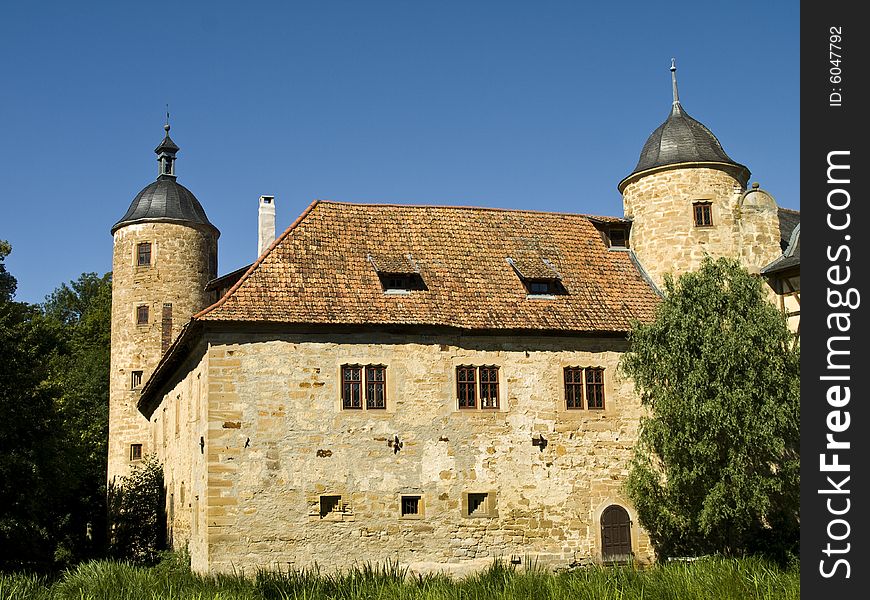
703,212
142,314
167,166
135,451
143,254
136,380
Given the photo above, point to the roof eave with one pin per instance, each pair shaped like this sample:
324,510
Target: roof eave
741,172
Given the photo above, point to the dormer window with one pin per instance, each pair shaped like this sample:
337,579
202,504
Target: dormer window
617,238
541,287
398,274
539,276
703,212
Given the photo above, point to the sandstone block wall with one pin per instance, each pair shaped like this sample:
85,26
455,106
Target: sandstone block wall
277,440
177,275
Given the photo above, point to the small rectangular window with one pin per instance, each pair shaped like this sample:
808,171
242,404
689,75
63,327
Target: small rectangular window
411,506
136,380
479,504
595,388
135,451
329,505
143,254
573,388
703,214
540,287
617,238
488,387
142,314
466,386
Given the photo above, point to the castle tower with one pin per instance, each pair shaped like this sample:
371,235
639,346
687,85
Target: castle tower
687,199
165,251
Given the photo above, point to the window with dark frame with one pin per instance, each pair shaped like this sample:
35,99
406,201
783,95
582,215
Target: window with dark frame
376,382
703,214
364,380
142,314
135,379
466,386
584,383
574,388
135,451
488,387
143,254
595,387
410,506
351,387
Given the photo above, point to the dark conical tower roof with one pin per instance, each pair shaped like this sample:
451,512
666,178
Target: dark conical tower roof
165,200
681,139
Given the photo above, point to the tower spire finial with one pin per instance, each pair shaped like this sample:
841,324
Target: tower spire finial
166,127
674,80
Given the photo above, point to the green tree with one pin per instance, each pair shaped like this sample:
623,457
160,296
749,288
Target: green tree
29,467
54,373
80,379
716,466
136,511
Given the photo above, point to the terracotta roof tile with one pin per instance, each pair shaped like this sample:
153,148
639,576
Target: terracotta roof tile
320,271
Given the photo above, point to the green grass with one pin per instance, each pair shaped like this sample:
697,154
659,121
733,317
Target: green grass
712,578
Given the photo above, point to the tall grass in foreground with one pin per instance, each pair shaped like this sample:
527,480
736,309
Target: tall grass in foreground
713,578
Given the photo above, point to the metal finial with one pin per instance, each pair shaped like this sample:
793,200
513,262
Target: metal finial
166,127
674,80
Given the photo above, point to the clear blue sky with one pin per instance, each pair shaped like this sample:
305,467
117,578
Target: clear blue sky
539,105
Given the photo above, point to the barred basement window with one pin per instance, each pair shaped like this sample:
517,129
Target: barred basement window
143,254
375,387
136,379
135,451
142,314
703,212
584,382
410,506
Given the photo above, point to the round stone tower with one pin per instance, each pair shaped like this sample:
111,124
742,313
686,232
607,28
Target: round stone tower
165,251
685,199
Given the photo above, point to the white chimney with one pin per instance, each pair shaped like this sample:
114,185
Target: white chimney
266,224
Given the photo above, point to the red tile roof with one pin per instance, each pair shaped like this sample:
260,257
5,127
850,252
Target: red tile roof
321,271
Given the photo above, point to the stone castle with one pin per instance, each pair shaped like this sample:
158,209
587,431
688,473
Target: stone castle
429,385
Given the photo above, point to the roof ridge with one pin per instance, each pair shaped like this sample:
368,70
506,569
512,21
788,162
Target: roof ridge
257,262
465,207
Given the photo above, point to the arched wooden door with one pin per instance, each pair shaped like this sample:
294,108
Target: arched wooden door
615,534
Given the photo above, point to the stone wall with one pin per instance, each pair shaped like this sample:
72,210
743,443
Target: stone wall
177,275
664,235
278,440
